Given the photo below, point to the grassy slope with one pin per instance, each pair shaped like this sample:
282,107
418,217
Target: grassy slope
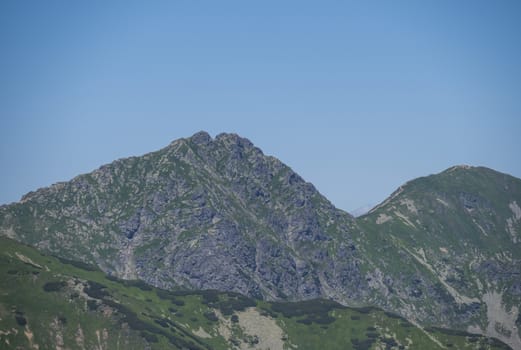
52,303
456,225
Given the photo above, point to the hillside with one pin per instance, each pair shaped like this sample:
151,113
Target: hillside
459,232
216,213
46,302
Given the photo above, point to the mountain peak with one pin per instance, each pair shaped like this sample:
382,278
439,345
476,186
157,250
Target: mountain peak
201,138
235,139
201,194
461,166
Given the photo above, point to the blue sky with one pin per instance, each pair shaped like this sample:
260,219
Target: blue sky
357,97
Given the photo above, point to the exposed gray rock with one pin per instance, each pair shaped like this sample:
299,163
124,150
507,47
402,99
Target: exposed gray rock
216,213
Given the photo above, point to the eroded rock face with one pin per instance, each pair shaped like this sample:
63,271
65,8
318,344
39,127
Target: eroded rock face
216,213
202,213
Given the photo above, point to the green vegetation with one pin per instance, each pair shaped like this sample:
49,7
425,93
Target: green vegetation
216,213
51,302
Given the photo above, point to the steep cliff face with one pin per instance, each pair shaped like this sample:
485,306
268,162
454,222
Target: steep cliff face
216,213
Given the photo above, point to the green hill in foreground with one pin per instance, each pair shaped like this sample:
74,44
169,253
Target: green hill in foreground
51,303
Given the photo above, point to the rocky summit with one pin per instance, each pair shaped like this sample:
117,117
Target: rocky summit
216,213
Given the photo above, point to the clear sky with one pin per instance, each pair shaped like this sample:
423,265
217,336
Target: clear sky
357,97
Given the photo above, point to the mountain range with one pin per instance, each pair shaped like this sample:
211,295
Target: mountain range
209,213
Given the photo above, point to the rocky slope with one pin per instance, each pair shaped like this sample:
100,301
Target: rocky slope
201,213
217,213
458,232
50,303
